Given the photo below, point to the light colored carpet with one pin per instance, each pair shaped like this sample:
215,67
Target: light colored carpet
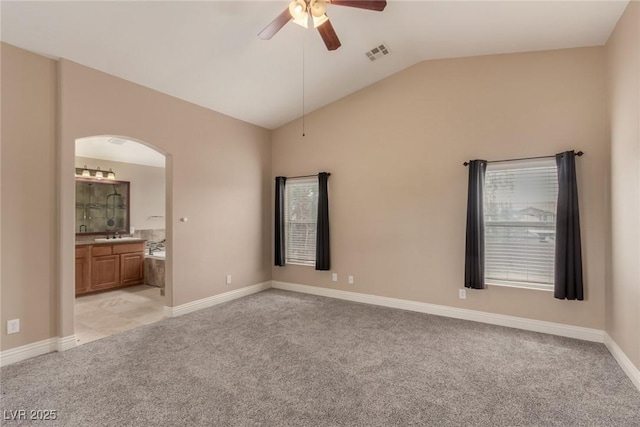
278,358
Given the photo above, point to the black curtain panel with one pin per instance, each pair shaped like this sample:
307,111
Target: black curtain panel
323,253
474,253
279,245
568,259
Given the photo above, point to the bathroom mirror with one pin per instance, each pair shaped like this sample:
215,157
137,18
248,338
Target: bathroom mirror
102,206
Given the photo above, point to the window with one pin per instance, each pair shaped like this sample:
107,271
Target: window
520,223
300,219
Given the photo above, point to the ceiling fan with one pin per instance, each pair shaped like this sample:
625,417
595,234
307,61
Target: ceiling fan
309,13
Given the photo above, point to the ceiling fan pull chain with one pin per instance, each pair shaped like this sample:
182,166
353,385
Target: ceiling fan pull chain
303,43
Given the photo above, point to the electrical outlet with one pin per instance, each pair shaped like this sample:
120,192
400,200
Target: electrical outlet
228,279
351,280
334,277
462,293
13,326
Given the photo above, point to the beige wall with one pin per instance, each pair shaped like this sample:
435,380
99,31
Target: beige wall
398,187
623,292
147,190
28,193
219,171
218,176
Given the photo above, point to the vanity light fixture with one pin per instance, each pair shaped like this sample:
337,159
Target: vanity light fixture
85,172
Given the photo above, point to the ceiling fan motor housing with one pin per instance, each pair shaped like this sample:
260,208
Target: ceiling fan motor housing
307,13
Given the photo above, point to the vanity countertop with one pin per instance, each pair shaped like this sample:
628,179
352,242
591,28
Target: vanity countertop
108,242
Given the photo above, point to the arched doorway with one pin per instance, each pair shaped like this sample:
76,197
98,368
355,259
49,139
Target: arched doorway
121,235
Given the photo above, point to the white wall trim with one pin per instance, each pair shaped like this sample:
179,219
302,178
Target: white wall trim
587,334
167,311
67,343
625,363
28,351
215,300
39,348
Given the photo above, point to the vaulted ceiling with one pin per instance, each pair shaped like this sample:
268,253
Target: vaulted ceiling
208,52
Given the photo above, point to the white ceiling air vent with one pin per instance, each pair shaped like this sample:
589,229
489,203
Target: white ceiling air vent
378,52
117,141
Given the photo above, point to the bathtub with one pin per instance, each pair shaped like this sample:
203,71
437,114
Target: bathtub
154,270
157,255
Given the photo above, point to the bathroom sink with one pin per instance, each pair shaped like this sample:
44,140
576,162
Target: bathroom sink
118,239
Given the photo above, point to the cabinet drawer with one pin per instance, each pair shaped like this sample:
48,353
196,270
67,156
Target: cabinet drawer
101,250
83,251
128,247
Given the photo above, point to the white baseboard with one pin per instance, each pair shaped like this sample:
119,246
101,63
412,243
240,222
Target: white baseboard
215,300
28,351
67,343
559,329
627,366
39,348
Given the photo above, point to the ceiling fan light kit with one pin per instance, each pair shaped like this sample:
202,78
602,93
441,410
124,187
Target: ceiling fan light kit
318,8
307,13
297,8
311,15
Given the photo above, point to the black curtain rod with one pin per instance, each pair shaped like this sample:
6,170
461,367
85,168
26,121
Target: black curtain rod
304,176
579,153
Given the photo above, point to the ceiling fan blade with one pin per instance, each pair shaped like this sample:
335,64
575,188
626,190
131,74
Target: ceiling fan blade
275,25
329,36
369,5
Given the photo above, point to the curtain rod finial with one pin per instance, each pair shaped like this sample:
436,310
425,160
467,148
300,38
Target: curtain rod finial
465,164
579,153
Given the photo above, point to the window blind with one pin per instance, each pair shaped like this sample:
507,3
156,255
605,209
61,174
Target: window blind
520,222
301,213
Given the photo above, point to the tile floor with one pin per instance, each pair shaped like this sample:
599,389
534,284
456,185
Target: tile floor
108,313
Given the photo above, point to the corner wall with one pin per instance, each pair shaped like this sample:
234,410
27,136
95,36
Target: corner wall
218,175
218,169
623,290
28,192
398,189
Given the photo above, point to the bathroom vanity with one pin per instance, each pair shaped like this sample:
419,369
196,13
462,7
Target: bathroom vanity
108,265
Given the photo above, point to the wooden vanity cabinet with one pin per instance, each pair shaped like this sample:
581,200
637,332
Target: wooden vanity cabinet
105,272
131,263
83,269
108,266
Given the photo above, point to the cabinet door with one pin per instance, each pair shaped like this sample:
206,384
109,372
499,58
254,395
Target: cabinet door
105,272
132,268
83,273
